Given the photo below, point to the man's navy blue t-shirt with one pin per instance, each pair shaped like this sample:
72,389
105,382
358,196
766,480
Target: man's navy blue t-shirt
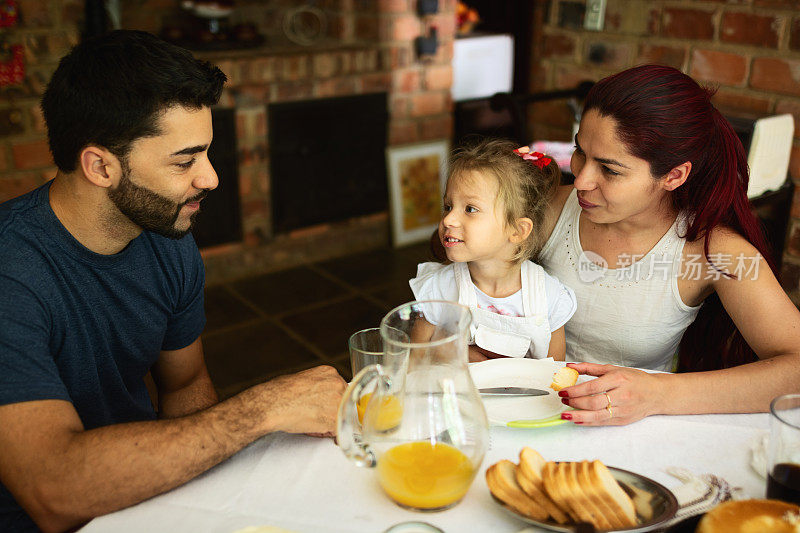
84,327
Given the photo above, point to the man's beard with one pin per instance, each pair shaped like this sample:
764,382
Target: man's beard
149,210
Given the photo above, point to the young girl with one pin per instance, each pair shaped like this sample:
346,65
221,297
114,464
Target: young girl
494,209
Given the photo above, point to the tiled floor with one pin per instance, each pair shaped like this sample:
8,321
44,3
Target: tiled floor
283,322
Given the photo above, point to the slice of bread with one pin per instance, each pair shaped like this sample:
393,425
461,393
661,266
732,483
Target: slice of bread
617,499
529,477
502,482
564,377
556,488
596,494
581,492
751,516
577,500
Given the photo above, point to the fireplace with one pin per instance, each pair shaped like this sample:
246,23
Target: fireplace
259,219
327,160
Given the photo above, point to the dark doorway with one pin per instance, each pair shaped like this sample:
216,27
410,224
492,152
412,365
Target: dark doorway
327,160
475,117
514,17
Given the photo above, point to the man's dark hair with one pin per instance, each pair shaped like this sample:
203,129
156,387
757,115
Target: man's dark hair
110,89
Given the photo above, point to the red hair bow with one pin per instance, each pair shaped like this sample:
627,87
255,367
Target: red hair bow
537,158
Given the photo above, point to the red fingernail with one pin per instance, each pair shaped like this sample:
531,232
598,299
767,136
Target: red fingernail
563,394
566,416
579,423
565,401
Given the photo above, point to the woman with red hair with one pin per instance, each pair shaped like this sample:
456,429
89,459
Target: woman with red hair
669,265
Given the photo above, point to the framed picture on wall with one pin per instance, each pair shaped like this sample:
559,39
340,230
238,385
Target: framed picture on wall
417,175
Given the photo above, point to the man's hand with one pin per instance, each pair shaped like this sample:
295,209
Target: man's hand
306,402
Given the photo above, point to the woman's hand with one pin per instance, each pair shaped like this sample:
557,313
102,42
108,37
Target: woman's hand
617,397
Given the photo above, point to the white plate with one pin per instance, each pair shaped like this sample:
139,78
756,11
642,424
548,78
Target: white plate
521,411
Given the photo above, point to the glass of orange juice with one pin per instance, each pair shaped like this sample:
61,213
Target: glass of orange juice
366,348
417,417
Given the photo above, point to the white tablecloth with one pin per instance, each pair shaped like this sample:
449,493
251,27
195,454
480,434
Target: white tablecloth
306,484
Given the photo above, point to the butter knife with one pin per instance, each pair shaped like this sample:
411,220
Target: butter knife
512,391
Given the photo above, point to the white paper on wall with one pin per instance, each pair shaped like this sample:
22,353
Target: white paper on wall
769,154
482,66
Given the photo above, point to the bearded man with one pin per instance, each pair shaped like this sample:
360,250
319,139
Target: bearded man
101,283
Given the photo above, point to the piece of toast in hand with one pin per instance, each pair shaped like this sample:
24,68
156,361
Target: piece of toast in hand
564,377
502,482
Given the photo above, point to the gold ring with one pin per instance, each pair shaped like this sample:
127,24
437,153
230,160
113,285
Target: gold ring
607,398
610,412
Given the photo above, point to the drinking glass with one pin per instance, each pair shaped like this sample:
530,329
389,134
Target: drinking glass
366,348
783,460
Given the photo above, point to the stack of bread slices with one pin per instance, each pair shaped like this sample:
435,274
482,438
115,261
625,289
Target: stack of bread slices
568,492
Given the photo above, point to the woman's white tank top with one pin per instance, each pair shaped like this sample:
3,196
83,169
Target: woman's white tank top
629,316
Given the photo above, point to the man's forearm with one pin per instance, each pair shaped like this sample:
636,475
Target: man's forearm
142,459
64,475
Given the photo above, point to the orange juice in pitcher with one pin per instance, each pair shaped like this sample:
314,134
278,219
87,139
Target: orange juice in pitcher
425,476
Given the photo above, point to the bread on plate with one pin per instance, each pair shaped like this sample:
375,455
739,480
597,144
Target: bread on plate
502,481
529,477
563,492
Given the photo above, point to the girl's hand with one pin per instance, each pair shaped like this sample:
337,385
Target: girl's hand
617,397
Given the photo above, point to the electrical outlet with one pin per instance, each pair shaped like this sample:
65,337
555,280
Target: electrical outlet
426,46
595,15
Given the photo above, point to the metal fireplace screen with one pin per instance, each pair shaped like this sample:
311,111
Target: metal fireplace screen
327,160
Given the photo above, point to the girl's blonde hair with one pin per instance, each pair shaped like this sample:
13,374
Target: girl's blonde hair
524,189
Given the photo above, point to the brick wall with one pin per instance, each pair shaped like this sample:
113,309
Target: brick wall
750,49
369,49
47,29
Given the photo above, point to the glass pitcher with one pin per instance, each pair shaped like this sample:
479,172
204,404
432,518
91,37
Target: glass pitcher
424,428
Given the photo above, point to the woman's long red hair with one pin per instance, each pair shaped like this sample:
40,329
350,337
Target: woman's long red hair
664,117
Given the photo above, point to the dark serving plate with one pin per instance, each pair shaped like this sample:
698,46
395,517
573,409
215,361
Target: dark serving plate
655,505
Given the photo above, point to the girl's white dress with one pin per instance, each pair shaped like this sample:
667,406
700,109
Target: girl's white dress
519,325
